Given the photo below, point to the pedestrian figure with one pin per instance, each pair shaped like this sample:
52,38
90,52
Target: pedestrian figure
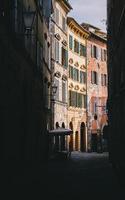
94,136
105,136
70,147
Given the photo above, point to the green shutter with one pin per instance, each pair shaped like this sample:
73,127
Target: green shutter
84,51
66,52
70,42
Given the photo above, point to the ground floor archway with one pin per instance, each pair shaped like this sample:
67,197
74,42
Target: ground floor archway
82,137
71,136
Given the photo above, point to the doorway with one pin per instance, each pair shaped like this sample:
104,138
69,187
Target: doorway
82,137
71,136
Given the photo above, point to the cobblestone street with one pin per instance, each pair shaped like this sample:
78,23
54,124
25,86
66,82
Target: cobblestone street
85,175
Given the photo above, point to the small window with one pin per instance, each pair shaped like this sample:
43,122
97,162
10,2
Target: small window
64,91
82,50
82,77
56,50
76,46
94,77
70,42
64,23
64,57
57,16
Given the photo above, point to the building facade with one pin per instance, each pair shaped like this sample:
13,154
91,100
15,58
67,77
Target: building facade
97,78
116,88
60,62
25,78
77,82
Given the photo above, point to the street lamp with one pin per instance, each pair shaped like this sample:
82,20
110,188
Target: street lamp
29,19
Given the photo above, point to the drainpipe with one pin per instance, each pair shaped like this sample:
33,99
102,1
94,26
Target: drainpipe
86,64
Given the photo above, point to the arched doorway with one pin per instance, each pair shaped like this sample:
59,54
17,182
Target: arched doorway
71,136
62,139
57,138
76,140
82,137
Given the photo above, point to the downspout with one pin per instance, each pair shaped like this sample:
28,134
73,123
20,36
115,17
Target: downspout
86,64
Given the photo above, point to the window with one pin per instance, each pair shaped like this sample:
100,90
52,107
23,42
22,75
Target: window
103,79
82,77
57,15
85,101
70,72
91,51
57,92
72,98
70,42
77,99
105,55
95,51
56,50
82,50
64,57
75,74
64,23
94,77
76,46
63,91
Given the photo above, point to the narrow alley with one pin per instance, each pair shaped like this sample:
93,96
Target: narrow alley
87,175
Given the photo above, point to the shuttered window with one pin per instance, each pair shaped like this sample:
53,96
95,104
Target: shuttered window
103,79
105,55
57,92
94,77
77,99
82,77
71,72
63,91
75,74
70,42
91,51
57,16
82,50
76,46
56,50
64,57
63,23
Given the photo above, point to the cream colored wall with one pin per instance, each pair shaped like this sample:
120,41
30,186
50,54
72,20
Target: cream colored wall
76,115
60,108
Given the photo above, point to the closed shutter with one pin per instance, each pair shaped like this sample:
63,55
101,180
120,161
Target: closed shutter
84,51
63,23
91,51
64,57
63,91
57,16
57,92
85,101
70,42
92,77
79,100
57,50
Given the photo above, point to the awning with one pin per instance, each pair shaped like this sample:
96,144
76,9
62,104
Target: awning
60,132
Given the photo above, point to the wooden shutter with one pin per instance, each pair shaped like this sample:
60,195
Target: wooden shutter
64,91
56,50
57,92
70,42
